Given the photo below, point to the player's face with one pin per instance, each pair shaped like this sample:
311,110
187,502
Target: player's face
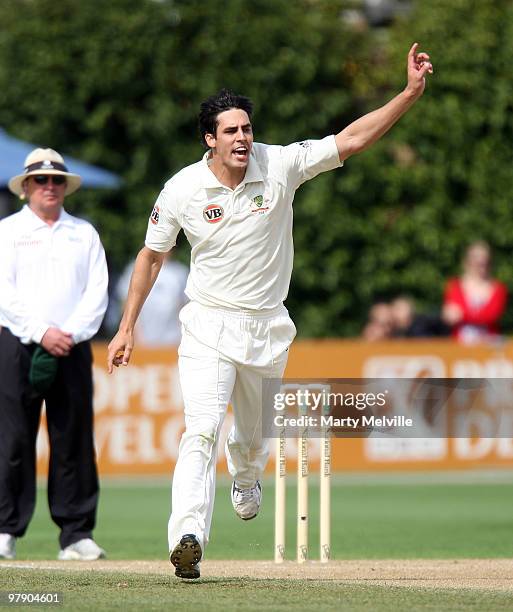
233,139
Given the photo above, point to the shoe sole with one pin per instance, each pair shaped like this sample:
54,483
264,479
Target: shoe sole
185,556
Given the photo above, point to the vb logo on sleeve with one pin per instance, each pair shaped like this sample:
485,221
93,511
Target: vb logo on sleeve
155,213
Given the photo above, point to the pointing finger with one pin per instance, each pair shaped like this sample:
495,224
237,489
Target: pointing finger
411,52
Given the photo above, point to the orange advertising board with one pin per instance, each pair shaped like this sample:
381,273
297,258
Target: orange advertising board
139,411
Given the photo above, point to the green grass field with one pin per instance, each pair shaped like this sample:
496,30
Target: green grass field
111,591
397,518
378,517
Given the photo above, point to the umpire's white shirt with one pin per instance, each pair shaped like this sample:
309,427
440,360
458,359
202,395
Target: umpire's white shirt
51,276
241,239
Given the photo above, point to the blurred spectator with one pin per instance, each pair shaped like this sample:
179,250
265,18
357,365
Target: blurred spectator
409,324
474,302
379,324
158,323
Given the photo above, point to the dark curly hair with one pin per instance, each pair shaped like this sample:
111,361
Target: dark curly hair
213,106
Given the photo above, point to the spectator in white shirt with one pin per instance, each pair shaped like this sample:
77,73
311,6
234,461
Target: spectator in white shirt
53,295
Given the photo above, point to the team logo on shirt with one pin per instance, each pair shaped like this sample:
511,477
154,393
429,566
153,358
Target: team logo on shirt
213,213
257,205
155,213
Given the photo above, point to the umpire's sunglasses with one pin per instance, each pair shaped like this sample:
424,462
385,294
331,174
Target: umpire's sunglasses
42,179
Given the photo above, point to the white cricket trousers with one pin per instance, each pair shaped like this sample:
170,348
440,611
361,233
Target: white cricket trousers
225,356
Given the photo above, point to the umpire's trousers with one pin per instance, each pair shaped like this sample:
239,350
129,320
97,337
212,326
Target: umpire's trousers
72,477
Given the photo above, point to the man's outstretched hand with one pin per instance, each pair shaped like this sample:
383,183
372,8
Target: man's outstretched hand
418,66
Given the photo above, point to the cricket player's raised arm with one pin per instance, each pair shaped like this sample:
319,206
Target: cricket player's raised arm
366,130
146,269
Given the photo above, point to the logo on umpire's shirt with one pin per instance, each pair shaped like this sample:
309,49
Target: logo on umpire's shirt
213,213
154,217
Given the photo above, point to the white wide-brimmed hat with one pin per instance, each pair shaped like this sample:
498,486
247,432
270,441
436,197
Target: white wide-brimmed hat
44,161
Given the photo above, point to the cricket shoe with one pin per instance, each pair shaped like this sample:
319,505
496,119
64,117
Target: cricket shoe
7,546
186,556
246,502
83,550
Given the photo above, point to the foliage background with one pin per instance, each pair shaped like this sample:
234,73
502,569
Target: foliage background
119,83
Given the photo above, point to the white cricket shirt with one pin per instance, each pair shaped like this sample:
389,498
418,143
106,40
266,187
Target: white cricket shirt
51,276
242,250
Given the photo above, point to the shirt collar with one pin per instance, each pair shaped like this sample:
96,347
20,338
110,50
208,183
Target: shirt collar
209,179
36,222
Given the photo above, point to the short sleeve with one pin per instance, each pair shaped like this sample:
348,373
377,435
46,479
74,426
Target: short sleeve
163,224
305,160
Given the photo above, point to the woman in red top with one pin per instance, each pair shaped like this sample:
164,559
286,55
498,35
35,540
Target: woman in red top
474,303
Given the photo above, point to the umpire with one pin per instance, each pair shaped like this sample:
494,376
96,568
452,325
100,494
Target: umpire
53,295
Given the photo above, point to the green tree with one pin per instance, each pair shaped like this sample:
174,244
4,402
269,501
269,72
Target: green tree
448,179
397,218
119,84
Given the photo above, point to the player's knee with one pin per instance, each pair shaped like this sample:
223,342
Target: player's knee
200,440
